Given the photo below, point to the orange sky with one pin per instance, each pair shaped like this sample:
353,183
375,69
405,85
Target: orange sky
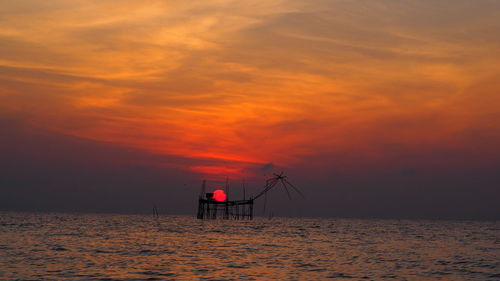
235,85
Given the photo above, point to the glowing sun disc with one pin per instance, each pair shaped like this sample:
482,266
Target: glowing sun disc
220,195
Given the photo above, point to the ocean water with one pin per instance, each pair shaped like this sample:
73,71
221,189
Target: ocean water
36,246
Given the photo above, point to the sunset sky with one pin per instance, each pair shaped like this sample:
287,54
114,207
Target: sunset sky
388,108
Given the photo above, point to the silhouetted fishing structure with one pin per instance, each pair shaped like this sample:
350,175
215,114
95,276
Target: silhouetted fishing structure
211,205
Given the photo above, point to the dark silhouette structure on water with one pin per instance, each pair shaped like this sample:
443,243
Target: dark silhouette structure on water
209,208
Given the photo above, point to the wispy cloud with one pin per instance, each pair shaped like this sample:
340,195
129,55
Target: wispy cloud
247,83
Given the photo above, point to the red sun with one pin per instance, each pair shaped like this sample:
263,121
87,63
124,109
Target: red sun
220,195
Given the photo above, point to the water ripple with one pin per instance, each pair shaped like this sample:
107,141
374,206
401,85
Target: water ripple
134,247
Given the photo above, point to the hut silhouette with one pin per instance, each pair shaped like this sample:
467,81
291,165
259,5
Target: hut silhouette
210,208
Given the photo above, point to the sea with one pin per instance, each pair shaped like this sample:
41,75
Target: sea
59,246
